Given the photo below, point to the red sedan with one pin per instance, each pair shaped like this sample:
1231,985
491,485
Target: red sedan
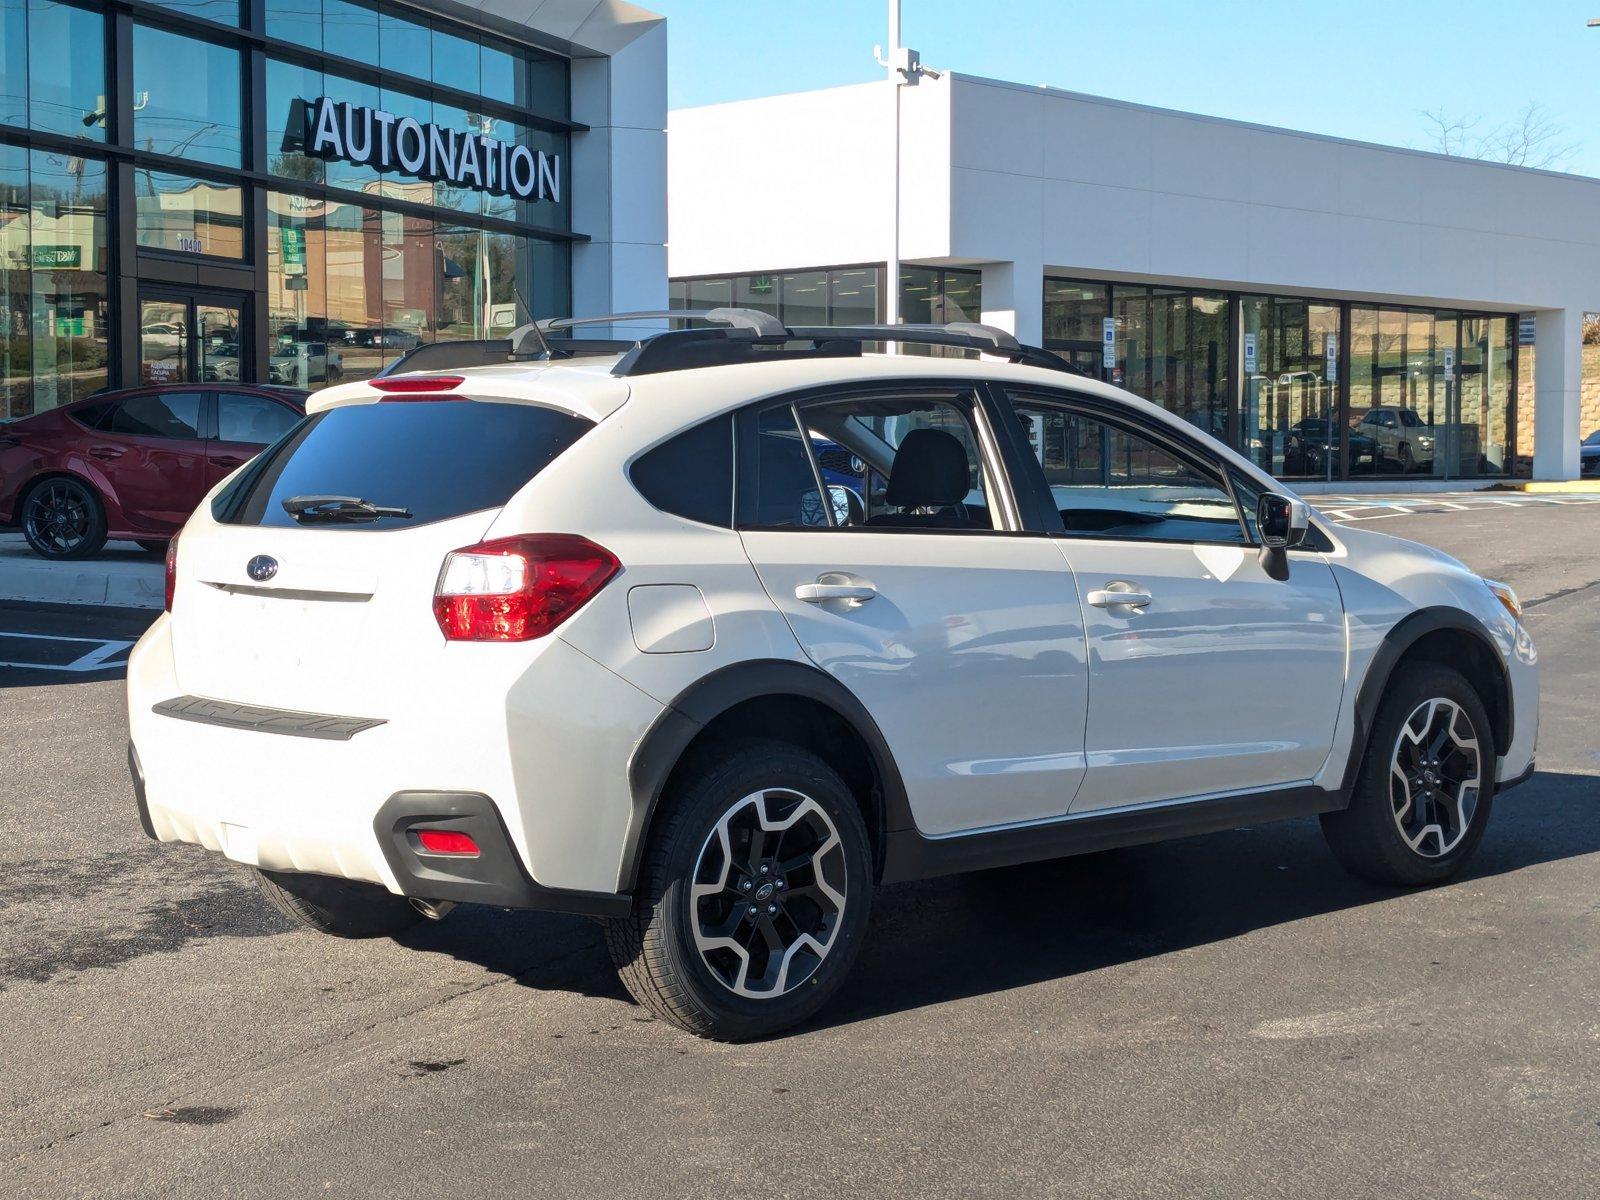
131,464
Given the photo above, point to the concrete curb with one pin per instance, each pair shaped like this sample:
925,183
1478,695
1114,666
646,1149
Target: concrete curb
1574,487
115,581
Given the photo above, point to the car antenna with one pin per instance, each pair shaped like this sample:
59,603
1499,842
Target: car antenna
521,334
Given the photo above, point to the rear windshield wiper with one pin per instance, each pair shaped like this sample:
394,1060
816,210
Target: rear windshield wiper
338,508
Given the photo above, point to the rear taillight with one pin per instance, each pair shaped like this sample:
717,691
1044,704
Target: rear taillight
172,569
517,588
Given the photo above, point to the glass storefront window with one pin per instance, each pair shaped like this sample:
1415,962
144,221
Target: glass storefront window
1074,322
192,110
14,62
1289,421
224,12
404,45
371,285
351,30
805,298
70,301
187,215
398,185
289,87
298,21
16,285
853,296
456,61
66,70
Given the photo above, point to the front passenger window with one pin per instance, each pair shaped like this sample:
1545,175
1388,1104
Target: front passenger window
1111,482
903,462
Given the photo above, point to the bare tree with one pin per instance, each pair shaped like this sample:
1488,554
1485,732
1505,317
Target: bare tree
1533,139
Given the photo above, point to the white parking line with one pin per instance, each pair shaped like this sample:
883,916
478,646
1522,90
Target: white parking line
90,660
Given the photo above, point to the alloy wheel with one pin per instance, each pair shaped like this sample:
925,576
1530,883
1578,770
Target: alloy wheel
768,893
58,518
1435,777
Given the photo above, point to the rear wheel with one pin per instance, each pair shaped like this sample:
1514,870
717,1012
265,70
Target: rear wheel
753,895
1423,795
343,907
63,518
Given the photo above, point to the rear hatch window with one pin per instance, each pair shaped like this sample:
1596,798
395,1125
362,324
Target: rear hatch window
431,459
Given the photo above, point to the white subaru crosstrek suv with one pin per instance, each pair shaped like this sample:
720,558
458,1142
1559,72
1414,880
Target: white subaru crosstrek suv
593,627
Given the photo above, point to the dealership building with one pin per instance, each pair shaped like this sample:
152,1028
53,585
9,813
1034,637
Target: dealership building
1341,312
300,190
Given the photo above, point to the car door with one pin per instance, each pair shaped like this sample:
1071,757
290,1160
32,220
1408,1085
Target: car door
908,580
245,424
1206,674
154,458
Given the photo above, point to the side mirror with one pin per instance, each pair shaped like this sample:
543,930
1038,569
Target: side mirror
1282,523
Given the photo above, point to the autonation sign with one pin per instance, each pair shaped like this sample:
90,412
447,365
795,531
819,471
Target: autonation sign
352,133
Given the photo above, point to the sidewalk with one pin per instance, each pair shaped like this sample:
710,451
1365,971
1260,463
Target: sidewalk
121,575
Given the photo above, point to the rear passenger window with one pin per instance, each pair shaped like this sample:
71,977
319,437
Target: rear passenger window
168,415
691,475
252,419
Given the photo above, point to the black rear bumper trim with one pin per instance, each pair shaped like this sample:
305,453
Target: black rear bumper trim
495,877
137,772
257,719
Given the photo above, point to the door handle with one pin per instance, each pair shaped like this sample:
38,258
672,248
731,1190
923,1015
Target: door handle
228,460
828,587
1119,594
106,453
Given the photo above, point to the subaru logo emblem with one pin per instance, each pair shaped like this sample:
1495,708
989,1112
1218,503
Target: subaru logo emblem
261,568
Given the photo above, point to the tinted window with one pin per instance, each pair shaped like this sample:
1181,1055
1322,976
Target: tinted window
252,419
899,462
437,458
93,415
1112,482
170,415
691,475
782,482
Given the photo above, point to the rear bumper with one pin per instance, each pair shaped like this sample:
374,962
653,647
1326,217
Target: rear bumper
534,769
495,876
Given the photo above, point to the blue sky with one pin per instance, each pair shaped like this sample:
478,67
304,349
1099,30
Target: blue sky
1353,68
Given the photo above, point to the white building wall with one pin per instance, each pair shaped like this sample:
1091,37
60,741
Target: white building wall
1025,181
792,181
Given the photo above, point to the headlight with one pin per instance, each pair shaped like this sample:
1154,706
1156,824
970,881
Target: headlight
1425,442
1504,593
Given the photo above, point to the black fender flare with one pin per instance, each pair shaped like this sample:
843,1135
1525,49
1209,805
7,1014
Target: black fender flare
1406,633
705,700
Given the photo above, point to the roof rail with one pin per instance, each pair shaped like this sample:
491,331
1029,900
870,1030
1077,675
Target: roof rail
749,320
737,335
681,349
532,341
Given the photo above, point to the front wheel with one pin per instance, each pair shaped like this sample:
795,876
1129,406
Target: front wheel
1423,795
753,896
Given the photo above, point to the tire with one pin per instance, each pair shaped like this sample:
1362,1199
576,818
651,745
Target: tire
152,547
727,789
1367,837
342,907
63,518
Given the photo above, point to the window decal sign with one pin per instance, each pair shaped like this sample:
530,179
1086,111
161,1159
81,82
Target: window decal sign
353,133
1108,342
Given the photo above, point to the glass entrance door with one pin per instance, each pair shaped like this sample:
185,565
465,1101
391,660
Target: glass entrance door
188,337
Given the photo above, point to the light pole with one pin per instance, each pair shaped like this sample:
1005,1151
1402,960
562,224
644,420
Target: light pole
904,69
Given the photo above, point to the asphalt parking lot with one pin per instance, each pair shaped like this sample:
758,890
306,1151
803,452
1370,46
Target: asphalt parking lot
1229,1015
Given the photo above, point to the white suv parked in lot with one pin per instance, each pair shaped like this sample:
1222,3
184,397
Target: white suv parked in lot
592,629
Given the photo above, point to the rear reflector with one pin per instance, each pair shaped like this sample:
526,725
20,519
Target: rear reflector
412,384
172,569
519,588
447,841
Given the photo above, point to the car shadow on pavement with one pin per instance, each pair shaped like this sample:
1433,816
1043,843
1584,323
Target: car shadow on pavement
991,931
967,935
